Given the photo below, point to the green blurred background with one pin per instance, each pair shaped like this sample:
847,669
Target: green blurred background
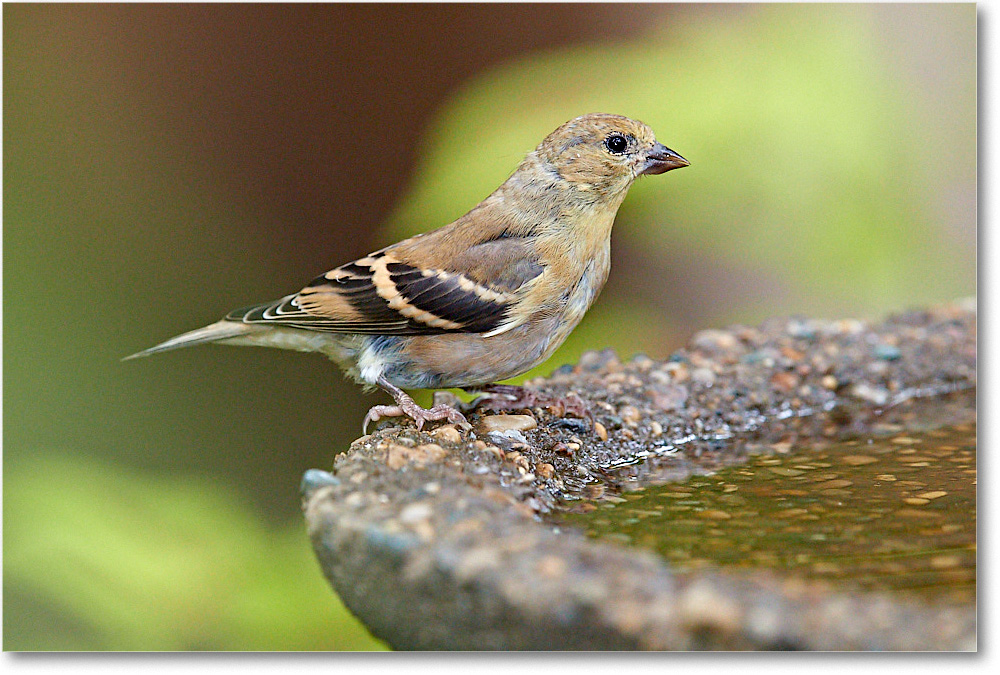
164,164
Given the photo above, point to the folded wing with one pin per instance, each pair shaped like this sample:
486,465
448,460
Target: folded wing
384,294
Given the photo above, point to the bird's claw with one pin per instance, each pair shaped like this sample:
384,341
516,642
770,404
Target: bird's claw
417,414
511,397
377,412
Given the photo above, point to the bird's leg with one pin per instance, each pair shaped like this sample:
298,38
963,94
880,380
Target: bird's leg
407,407
514,397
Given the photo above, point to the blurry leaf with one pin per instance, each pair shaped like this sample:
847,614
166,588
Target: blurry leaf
101,558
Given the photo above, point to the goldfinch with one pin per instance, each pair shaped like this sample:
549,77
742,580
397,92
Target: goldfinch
482,299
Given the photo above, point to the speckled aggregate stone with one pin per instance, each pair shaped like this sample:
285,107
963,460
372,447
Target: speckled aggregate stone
440,539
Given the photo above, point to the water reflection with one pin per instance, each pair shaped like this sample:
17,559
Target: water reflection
896,513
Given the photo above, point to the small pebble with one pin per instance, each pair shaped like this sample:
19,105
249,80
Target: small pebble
801,328
601,432
448,433
415,512
642,362
792,354
677,371
504,437
502,423
714,340
595,360
545,470
866,392
493,450
887,352
667,397
518,460
705,376
629,414
561,448
784,381
570,423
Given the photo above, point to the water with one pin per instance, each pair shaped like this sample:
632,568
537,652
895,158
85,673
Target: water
895,513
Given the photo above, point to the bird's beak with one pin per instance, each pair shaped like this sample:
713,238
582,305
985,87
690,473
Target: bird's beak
660,159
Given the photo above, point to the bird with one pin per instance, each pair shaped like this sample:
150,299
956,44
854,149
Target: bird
482,299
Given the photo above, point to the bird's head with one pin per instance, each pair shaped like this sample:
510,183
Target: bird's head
605,153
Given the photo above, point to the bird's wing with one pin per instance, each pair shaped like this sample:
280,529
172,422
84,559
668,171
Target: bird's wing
385,293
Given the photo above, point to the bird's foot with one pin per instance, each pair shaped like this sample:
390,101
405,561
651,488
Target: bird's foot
407,407
512,397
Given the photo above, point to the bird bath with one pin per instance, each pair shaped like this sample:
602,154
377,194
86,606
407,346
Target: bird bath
800,485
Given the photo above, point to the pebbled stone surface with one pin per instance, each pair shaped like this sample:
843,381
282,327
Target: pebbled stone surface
445,539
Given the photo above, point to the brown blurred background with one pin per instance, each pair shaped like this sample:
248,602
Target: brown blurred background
165,164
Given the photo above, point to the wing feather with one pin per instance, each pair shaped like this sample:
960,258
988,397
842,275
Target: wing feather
380,294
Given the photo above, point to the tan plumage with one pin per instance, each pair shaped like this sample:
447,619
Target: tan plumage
482,299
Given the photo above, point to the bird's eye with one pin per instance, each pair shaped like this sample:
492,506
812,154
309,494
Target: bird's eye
616,144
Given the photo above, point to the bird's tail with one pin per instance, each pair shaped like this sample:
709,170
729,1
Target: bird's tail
220,330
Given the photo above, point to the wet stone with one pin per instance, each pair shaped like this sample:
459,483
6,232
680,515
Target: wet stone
858,460
835,484
714,514
786,471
